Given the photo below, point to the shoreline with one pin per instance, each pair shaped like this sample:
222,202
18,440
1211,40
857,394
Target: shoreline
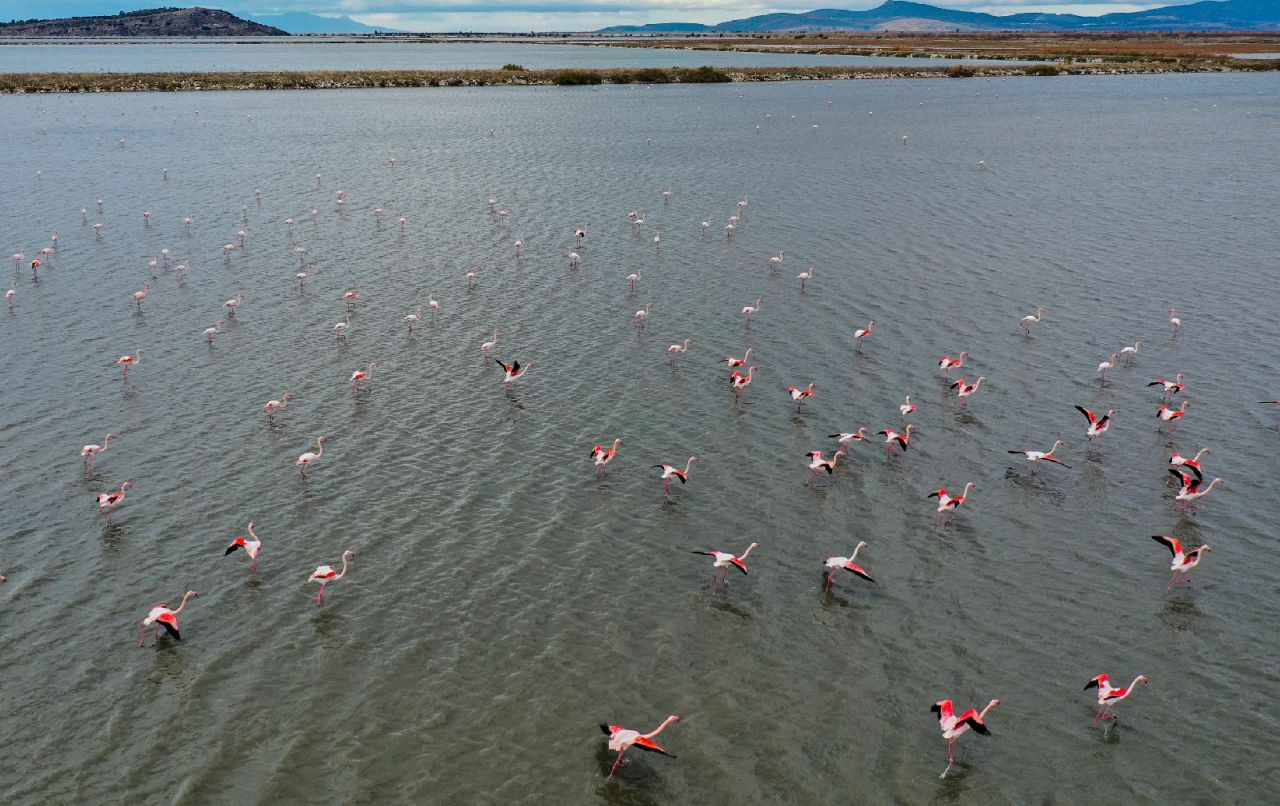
38,83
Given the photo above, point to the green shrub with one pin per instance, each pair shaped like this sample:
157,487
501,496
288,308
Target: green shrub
703,75
516,68
961,71
576,78
1043,70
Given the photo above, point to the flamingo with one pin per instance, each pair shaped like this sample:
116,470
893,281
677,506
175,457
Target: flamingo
1127,353
602,456
489,345
514,372
1027,321
670,472
341,328
620,739
126,361
948,363
834,564
1178,460
861,333
579,234
816,463
433,305
272,406
37,263
412,319
776,260
1044,456
739,381
749,310
165,618
325,574
806,276
1109,695
233,304
12,292
1106,365
1167,414
891,436
1174,321
953,727
847,437
634,278
800,395
252,547
575,260
519,245
210,332
657,239
471,277
677,349
735,362
1097,425
308,458
140,296
723,561
109,501
362,375
1182,561
350,297
89,451
946,503
964,390
1170,387
1190,488
907,407
643,314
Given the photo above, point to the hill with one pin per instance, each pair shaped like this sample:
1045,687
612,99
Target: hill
300,22
184,22
898,15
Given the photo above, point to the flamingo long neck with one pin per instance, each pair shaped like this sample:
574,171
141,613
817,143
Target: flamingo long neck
495,334
692,459
106,443
1200,453
660,728
616,443
345,560
319,448
745,357
967,488
744,554
976,384
854,554
1136,681
990,705
1210,487
750,372
183,603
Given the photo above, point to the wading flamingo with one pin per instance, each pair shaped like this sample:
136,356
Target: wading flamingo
308,458
602,456
252,547
433,305
861,333
948,363
1097,425
140,296
643,314
846,437
1028,321
1167,414
412,319
953,727
210,332
891,436
750,310
109,501
1170,387
947,503
723,560
816,463
620,739
325,574
1190,488
800,395
670,472
126,361
1127,353
907,407
1110,363
273,406
341,328
964,390
833,564
806,276
1044,456
1108,695
165,618
1183,561
735,362
739,381
1178,460
489,345
232,305
365,375
514,372
1174,321
90,451
634,278
676,349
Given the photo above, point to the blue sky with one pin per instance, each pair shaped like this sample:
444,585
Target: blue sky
541,15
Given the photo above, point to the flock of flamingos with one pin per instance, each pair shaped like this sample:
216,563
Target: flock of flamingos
953,723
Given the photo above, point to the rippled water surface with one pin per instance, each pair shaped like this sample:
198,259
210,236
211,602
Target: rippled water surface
156,56
503,601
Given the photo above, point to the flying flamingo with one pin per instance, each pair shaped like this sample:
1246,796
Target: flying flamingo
1106,365
1167,414
677,349
643,314
1178,460
252,547
210,332
412,319
126,361
1028,321
1097,425
1190,488
1170,387
723,560
363,375
953,727
233,304
306,459
964,390
1182,561
489,345
1044,456
739,381
735,362
273,406
861,333
816,463
947,503
164,617
799,395
891,436
670,472
514,372
834,564
325,574
602,456
1108,695
140,296
847,437
620,739
109,501
907,407
806,276
948,363
634,278
749,310
89,451
1174,321
341,328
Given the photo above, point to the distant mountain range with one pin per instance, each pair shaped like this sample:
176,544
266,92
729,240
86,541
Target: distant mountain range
897,15
299,22
185,22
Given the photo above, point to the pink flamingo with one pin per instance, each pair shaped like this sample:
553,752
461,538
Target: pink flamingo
252,547
1110,363
621,739
1097,425
1109,695
1178,460
1166,414
676,349
1028,321
89,451
232,305
273,406
12,292
891,436
1190,488
1044,456
723,560
602,456
109,501
514,372
739,381
1174,321
948,363
833,564
776,260
140,296
126,361
739,362
412,319
907,407
643,314
847,437
670,472
953,727
806,276
1170,387
964,390
326,574
308,458
800,395
210,332
861,333
489,345
816,463
362,375
1183,561
162,616
751,310
433,305
947,503
634,278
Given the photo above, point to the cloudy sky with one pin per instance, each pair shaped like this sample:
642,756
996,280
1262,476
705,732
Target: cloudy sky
540,15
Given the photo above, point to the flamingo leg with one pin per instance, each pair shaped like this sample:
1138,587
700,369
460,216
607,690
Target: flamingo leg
320,596
827,587
616,762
